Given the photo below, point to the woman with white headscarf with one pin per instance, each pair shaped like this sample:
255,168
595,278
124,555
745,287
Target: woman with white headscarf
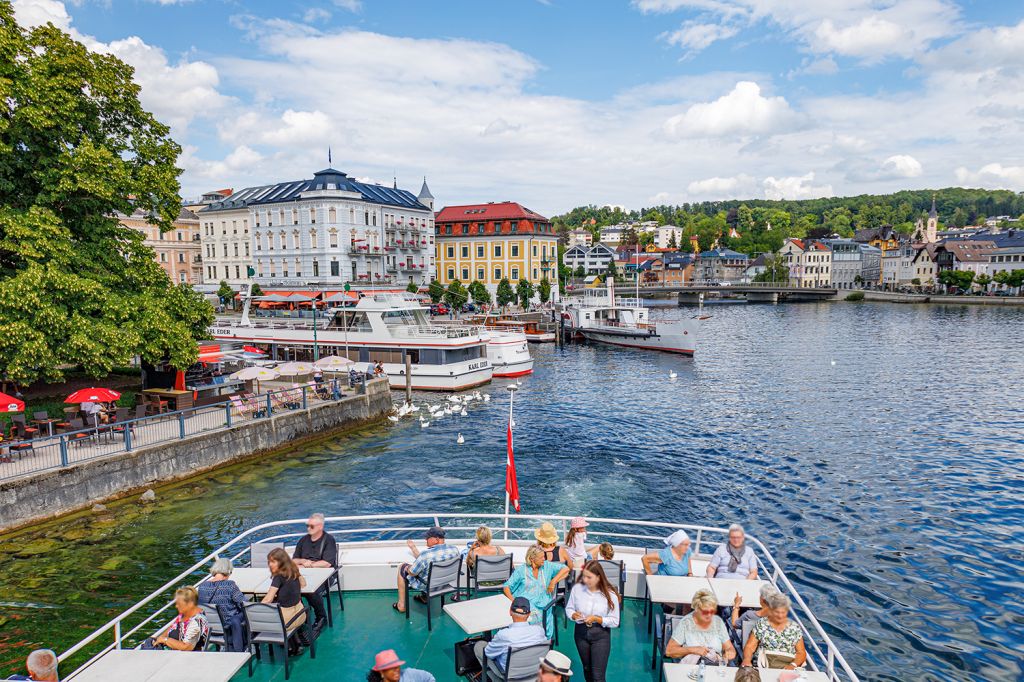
674,559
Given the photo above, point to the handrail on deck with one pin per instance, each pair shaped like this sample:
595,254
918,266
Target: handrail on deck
831,660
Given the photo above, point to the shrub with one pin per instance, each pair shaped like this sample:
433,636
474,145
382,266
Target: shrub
855,296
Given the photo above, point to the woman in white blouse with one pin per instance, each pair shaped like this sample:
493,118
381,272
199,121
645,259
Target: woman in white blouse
594,606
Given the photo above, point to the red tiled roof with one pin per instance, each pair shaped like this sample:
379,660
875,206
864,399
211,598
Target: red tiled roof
799,244
820,247
504,210
225,192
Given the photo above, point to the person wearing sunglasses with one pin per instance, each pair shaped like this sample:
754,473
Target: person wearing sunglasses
316,549
701,634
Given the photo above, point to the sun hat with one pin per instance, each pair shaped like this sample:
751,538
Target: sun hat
386,660
546,534
521,605
436,532
557,662
578,522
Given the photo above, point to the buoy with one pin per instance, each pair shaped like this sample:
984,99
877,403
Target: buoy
460,440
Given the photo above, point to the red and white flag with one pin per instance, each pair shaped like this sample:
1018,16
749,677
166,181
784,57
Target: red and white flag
511,484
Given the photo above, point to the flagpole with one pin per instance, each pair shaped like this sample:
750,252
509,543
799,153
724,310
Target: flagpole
511,400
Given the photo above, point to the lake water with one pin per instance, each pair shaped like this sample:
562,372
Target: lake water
877,449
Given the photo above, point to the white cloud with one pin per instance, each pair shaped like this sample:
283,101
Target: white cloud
744,111
38,12
350,5
315,14
722,188
796,187
238,161
901,166
694,36
993,176
499,126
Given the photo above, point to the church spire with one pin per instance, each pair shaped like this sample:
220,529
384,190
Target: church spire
933,213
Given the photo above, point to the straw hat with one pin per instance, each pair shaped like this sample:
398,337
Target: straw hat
546,534
386,660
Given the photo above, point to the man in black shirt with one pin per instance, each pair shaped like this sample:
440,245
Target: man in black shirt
317,549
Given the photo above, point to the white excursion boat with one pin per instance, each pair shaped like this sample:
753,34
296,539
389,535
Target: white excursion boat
381,327
361,622
625,322
508,352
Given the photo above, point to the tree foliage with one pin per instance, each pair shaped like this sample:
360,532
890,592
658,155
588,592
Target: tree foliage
255,290
77,148
524,292
456,296
412,287
961,279
435,291
775,270
224,292
478,291
505,294
544,290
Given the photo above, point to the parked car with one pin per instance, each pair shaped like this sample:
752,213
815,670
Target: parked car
468,308
439,309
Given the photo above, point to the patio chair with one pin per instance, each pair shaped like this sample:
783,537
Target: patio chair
258,553
28,431
442,579
488,569
78,432
615,571
665,623
266,625
216,638
520,664
24,444
242,408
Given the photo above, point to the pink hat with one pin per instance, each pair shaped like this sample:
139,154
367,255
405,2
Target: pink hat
386,660
789,676
578,522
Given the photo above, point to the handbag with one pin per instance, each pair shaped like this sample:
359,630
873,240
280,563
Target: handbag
466,662
774,659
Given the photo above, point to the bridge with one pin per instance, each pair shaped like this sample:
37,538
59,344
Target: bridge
755,292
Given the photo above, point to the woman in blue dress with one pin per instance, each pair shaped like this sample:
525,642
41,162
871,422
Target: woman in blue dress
536,579
674,559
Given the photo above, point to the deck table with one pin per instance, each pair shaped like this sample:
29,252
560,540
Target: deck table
725,590
680,672
256,581
481,615
136,665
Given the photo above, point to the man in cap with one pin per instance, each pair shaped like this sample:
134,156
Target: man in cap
416,574
554,667
520,633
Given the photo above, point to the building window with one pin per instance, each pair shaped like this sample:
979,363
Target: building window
480,274
161,235
514,251
334,238
316,268
247,249
332,215
451,274
295,240
515,226
515,274
227,272
480,251
225,250
465,252
295,216
335,271
181,257
236,250
238,272
312,216
451,252
366,217
497,250
465,274
181,277
259,243
497,274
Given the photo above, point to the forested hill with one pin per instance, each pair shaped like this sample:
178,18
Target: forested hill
800,218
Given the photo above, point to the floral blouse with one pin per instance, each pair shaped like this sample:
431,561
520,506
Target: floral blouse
770,639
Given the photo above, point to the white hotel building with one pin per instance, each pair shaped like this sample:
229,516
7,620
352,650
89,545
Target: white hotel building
327,231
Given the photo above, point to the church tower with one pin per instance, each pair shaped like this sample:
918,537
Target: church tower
932,228
425,197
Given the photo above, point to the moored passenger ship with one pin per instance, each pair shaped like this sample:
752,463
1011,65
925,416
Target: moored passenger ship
385,328
360,621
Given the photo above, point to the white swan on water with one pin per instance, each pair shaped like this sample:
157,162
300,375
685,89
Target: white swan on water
672,374
460,440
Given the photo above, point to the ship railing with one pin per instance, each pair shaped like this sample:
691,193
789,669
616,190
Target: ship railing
430,331
139,621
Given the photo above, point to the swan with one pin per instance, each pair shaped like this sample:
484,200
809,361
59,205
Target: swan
463,413
392,418
487,397
672,375
460,440
424,425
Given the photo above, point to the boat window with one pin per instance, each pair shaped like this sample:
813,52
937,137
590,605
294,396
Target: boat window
391,355
431,356
414,355
393,317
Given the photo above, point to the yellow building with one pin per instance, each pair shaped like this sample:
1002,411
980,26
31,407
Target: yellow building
490,242
177,251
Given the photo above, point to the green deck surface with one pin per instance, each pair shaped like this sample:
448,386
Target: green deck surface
368,624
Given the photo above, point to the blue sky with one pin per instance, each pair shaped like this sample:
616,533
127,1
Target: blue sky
566,102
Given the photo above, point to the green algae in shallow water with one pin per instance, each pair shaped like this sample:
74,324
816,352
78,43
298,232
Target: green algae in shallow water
36,547
114,563
224,479
77,534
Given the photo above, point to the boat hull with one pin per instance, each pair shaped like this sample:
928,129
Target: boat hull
677,337
508,354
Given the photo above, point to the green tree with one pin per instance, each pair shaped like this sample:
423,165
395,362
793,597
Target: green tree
672,243
983,281
580,272
505,294
436,291
612,271
775,270
479,292
524,292
76,150
961,279
225,293
412,287
255,290
630,236
456,296
544,290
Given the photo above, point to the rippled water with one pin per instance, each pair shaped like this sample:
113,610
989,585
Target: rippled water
877,449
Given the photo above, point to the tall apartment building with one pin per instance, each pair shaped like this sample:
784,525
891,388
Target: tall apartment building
178,250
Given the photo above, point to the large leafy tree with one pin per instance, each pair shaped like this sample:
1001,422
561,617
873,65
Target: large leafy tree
524,291
76,149
544,290
435,291
505,294
479,292
456,295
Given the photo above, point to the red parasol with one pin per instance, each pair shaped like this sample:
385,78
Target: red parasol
93,395
9,403
253,349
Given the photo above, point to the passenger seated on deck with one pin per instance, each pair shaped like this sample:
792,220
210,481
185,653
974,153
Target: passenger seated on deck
316,549
554,667
416,573
520,633
673,560
190,630
736,620
734,559
536,579
41,665
547,539
603,551
482,546
701,634
220,590
285,587
388,668
776,640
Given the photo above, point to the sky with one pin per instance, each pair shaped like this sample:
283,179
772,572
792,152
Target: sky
561,103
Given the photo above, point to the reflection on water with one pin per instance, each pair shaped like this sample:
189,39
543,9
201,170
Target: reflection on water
877,449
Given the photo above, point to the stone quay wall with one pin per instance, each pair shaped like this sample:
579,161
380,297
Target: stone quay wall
55,492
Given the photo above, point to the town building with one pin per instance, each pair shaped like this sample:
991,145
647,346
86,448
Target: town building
225,239
178,250
1008,254
494,241
926,231
594,259
721,265
809,262
612,235
581,237
325,231
969,255
870,265
922,265
677,268
756,267
846,263
663,237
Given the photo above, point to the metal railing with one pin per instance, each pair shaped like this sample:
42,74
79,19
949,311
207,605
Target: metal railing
62,450
386,529
433,331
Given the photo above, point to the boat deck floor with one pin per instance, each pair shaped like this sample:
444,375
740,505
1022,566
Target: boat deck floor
368,624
